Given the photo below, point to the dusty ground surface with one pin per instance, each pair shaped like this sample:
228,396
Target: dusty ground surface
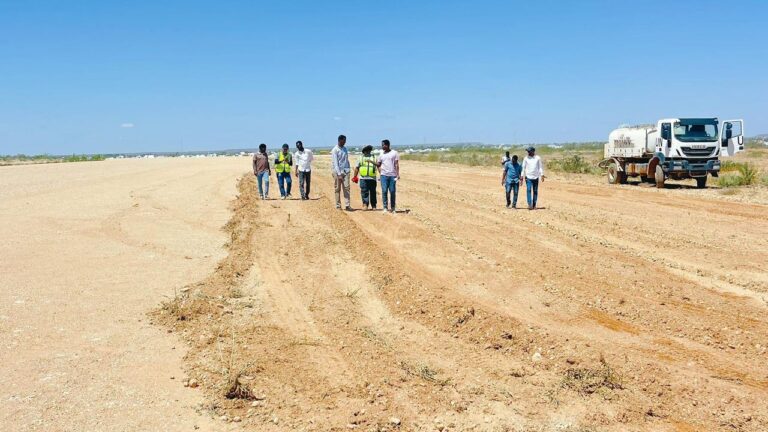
86,249
612,308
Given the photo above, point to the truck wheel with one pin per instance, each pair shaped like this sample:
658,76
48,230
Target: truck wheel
659,177
701,182
614,176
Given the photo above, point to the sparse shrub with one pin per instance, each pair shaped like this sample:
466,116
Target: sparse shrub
574,163
578,159
83,158
747,175
729,180
729,166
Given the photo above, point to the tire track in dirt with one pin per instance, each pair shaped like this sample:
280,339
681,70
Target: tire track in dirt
571,231
485,220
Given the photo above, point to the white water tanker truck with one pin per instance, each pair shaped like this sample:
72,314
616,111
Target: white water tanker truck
674,148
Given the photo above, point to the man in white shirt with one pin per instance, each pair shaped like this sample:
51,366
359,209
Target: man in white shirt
389,172
532,171
341,168
303,162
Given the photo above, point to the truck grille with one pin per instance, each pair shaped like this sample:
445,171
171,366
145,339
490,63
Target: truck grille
703,152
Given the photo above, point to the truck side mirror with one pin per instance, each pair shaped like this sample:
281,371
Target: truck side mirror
728,130
666,131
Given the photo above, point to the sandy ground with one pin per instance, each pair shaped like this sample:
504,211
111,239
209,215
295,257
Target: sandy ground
87,249
612,308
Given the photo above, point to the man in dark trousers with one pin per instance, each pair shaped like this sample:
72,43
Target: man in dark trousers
366,169
510,179
283,164
303,163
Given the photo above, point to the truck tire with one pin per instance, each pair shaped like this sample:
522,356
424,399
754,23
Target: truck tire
659,177
614,175
701,182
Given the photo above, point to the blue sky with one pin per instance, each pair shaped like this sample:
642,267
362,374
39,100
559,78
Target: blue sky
102,77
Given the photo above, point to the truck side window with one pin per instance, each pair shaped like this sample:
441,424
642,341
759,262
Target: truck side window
666,131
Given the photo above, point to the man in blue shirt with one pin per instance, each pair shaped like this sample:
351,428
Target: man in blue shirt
510,179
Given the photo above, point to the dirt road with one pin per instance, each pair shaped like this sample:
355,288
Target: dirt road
610,309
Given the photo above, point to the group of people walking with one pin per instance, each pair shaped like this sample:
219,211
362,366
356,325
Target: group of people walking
284,161
386,166
531,170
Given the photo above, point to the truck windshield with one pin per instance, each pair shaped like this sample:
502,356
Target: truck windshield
696,130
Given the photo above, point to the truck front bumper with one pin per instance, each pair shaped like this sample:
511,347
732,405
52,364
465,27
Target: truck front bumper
676,168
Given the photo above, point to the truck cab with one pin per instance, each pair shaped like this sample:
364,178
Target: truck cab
691,147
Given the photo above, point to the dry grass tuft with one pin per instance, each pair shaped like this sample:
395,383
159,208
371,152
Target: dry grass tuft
587,381
239,390
424,372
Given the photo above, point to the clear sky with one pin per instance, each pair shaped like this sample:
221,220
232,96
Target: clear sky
107,76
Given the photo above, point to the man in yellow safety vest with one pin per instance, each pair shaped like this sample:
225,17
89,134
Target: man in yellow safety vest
283,163
366,168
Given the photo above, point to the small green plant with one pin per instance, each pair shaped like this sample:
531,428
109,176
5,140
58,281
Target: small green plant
738,174
748,173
